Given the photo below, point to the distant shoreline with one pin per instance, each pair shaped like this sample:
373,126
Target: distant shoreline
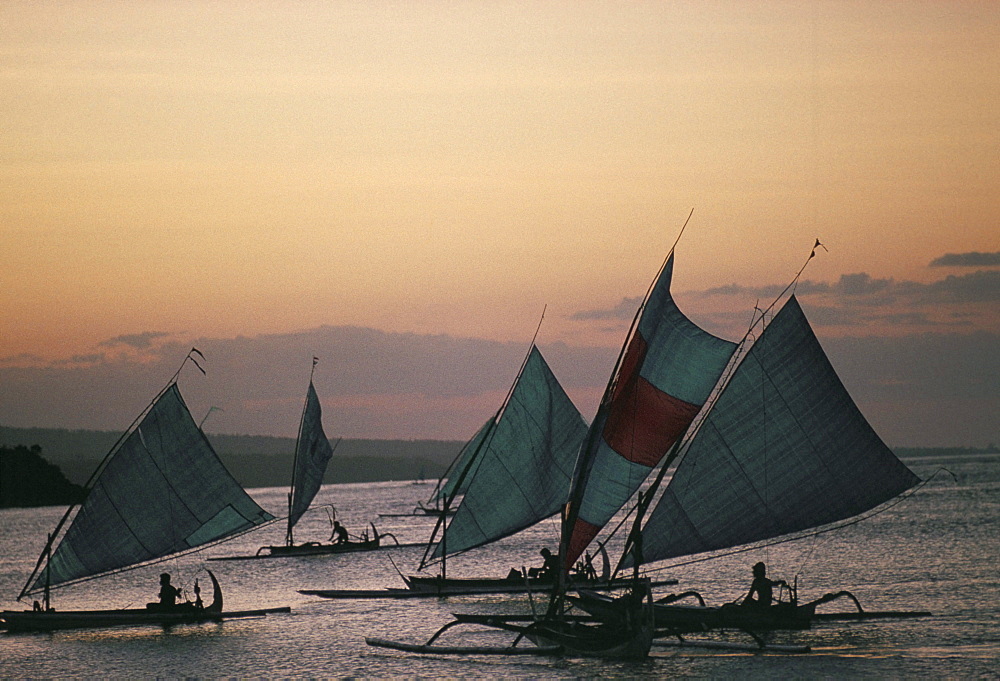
255,461
266,461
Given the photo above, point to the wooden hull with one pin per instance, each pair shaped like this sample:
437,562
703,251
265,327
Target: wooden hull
461,586
31,620
319,549
153,614
693,618
594,640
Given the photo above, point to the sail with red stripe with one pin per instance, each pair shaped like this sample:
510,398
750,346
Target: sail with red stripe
667,372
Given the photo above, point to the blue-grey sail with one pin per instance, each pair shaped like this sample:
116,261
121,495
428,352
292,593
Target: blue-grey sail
312,454
163,491
783,449
525,463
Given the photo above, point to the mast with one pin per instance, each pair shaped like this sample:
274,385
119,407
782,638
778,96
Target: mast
592,444
295,458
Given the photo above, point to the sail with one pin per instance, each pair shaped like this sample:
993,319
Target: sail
312,454
457,472
783,449
163,491
666,374
524,467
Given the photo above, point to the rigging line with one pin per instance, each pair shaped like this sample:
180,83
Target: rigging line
794,282
786,540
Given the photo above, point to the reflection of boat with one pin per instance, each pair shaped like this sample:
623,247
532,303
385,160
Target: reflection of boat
161,491
312,454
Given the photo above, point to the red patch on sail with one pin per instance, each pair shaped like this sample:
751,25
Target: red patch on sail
583,534
643,421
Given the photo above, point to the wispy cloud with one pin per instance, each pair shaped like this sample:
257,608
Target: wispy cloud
978,287
918,388
139,341
624,310
972,259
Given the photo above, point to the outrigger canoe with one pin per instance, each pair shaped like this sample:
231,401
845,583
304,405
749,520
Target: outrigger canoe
318,549
678,618
183,613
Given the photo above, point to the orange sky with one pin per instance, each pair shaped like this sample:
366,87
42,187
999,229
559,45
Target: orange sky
205,169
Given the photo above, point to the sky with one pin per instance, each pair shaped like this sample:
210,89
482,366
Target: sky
401,189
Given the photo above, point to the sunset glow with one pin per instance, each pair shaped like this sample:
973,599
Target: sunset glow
205,170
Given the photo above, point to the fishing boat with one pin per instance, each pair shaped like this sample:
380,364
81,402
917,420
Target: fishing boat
513,473
312,455
672,618
618,452
160,492
781,450
462,467
182,613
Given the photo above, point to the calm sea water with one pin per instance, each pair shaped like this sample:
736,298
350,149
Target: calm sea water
936,551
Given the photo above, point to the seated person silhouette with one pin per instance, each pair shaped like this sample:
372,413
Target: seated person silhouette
339,534
168,595
761,589
550,566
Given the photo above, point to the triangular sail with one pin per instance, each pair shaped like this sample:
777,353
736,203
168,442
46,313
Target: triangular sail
525,463
163,491
666,374
312,454
783,449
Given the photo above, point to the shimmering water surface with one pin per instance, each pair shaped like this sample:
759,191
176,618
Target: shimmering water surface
936,551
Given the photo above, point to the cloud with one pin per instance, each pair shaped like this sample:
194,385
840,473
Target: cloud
768,292
918,389
625,310
978,287
972,259
138,341
862,285
372,383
